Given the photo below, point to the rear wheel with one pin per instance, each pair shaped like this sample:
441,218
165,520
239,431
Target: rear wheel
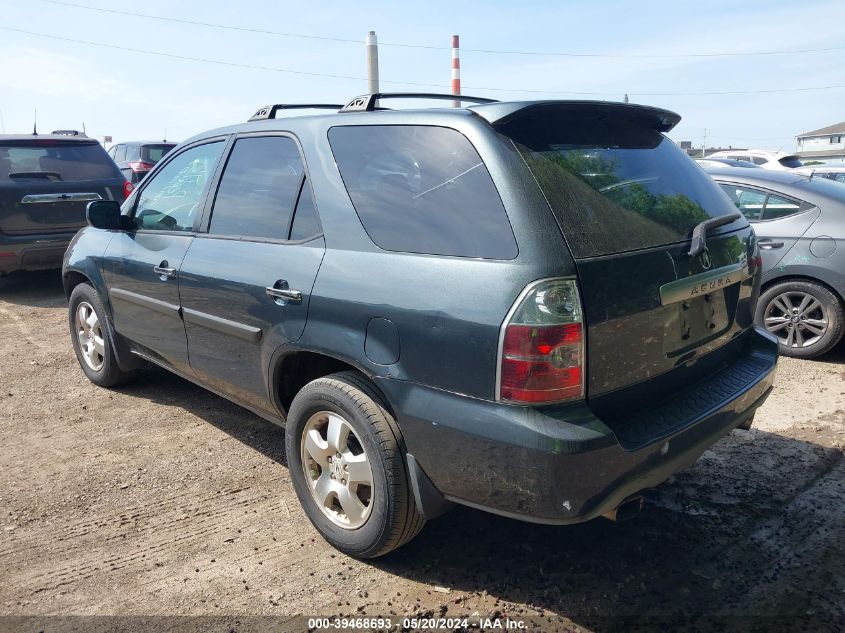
805,316
348,468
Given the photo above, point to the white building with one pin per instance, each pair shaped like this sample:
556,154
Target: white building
826,144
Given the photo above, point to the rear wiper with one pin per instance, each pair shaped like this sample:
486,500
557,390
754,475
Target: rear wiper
699,233
45,175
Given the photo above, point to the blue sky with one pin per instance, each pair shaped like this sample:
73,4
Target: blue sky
132,95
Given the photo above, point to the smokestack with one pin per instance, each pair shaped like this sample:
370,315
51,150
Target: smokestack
372,62
456,69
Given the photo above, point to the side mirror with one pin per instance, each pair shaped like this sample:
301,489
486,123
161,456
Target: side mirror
104,214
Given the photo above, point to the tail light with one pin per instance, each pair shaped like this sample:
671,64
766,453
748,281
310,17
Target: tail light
541,349
141,166
128,188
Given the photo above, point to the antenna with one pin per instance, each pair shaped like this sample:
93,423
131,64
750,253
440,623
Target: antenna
83,129
164,140
34,121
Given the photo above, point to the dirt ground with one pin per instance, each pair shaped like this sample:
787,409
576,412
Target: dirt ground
161,499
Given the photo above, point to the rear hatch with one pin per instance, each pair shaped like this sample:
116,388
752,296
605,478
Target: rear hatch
627,200
46,184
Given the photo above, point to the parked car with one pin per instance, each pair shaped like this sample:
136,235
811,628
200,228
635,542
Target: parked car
499,306
136,158
761,158
724,162
46,182
800,226
830,172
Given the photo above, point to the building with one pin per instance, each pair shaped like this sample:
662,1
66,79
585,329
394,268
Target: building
826,144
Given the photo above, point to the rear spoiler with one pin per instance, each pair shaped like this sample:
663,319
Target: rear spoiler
501,113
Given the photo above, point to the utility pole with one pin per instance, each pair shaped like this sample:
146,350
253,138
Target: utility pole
704,144
372,63
456,69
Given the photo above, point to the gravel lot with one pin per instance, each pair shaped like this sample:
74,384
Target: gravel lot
160,498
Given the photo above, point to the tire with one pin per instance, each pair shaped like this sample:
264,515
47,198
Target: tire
389,518
99,365
820,318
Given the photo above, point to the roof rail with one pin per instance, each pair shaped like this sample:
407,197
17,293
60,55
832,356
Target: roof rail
367,103
269,112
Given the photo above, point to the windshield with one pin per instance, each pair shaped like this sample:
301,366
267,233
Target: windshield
54,160
154,153
615,185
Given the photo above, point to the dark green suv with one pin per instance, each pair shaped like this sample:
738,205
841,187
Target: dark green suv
538,309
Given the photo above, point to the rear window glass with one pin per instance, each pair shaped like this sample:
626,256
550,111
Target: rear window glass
614,184
154,153
51,160
422,189
791,161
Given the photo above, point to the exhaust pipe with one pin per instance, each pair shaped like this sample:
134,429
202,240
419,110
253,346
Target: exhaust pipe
628,509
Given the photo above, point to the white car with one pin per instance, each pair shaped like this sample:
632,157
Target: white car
831,172
762,158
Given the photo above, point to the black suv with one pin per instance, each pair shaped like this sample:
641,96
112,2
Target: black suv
136,158
537,309
46,182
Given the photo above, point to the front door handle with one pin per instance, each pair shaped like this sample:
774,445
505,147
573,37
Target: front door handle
282,294
164,271
768,245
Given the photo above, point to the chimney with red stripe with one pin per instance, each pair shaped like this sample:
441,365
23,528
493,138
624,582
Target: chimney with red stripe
456,70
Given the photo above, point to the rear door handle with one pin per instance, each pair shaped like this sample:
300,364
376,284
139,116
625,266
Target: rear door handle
768,245
164,271
282,294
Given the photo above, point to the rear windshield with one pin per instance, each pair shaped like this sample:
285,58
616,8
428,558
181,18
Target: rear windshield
54,160
614,184
790,161
154,153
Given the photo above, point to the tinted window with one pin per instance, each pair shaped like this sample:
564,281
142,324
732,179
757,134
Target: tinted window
613,183
779,207
154,153
422,189
305,221
172,199
790,161
54,160
258,189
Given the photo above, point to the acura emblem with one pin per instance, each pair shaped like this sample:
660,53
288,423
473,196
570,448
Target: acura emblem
704,259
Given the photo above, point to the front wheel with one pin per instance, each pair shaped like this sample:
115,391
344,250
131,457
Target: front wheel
347,465
805,316
91,340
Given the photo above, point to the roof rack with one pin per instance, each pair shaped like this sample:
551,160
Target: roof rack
269,112
67,133
367,103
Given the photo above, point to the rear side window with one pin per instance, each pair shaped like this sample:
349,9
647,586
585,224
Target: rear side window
748,201
791,162
422,189
259,188
54,160
613,183
780,207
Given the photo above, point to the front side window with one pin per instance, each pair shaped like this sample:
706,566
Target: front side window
172,199
259,188
422,189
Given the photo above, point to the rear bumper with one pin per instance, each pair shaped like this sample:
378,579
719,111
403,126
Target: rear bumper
32,252
562,464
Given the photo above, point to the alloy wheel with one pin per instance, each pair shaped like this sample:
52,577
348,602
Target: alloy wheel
337,470
89,333
797,319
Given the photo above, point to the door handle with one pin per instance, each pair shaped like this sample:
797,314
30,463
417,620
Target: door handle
768,245
282,294
164,271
